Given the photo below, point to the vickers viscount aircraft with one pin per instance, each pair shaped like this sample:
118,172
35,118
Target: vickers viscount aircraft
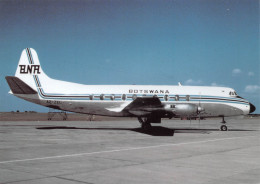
149,103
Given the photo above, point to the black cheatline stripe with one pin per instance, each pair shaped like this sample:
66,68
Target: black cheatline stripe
36,79
28,54
95,96
222,99
87,96
31,56
37,84
67,96
41,92
64,96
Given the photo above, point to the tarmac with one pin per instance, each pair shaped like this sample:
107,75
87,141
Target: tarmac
118,152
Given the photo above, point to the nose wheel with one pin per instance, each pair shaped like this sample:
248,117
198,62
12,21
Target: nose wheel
223,127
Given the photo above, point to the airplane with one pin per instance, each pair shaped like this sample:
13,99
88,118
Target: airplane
149,103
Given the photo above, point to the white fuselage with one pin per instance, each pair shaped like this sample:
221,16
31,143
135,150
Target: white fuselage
110,100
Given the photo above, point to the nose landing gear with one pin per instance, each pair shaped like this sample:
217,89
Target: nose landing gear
223,127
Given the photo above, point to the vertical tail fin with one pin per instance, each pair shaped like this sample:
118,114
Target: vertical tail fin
29,69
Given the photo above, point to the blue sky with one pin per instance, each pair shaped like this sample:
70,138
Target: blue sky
196,42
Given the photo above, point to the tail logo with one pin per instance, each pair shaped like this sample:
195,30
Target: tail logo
29,69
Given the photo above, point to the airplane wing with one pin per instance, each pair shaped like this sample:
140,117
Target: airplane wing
143,106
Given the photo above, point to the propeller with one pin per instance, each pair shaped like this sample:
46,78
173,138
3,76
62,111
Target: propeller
200,109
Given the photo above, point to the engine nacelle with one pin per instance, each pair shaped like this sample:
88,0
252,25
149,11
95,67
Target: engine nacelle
185,109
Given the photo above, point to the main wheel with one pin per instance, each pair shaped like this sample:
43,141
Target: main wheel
143,120
146,127
223,128
145,123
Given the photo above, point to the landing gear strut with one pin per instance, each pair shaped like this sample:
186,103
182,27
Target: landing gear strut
223,127
145,123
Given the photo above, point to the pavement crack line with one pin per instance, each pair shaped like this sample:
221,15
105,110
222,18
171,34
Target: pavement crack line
105,169
120,150
72,180
9,182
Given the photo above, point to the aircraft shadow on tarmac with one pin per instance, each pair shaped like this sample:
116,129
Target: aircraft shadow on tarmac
155,131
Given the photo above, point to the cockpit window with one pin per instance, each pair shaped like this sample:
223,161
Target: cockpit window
232,93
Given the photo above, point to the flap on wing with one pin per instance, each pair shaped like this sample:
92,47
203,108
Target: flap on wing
115,109
140,113
18,86
118,109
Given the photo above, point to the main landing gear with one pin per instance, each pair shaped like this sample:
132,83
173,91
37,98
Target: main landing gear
223,127
145,123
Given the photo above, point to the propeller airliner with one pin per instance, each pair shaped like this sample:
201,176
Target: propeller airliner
149,103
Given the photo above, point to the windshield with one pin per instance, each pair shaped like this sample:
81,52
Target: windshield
233,93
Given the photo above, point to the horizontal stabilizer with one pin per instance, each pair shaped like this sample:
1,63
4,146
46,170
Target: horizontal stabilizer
18,86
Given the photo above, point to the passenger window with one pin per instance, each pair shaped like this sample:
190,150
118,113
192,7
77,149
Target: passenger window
124,97
187,97
112,97
102,97
166,97
134,96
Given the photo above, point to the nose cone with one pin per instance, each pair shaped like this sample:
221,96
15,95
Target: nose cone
252,108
